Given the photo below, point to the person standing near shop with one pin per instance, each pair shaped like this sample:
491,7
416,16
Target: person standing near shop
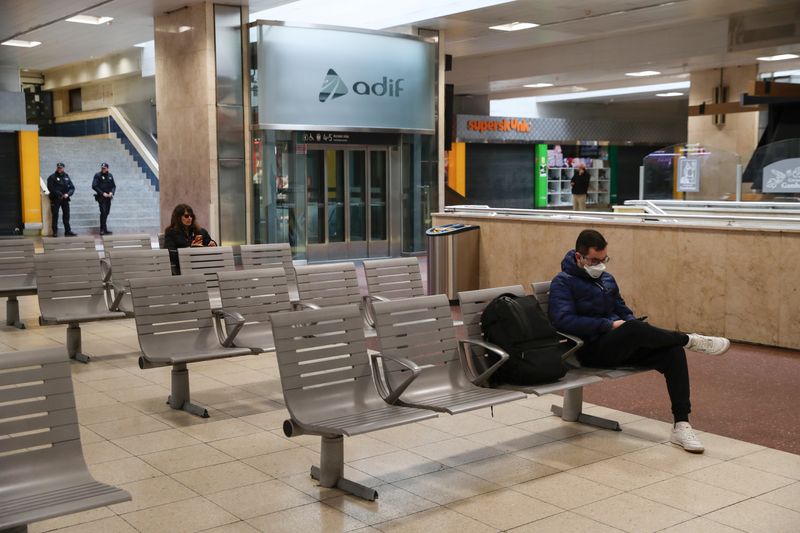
580,186
61,189
104,188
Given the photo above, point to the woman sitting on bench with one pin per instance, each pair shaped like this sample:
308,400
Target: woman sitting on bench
585,302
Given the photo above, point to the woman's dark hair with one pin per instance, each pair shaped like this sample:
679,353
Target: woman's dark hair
589,238
175,222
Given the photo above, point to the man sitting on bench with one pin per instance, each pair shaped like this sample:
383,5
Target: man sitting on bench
585,302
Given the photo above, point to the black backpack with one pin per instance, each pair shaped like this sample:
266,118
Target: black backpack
519,326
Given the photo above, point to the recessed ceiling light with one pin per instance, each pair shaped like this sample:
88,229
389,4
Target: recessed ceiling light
182,29
538,85
669,94
21,43
146,44
779,57
89,19
514,26
643,73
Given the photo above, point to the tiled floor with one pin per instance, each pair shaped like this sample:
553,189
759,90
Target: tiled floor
517,469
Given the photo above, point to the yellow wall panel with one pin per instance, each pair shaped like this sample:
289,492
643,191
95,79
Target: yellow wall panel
29,177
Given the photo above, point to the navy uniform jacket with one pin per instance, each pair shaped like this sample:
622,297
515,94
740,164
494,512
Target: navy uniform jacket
59,184
103,183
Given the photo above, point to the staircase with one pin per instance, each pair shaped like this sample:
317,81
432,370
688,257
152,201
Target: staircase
135,208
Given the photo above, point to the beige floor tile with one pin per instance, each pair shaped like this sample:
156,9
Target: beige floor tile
70,520
396,466
509,439
725,448
612,414
566,491
688,495
88,436
669,458
147,392
178,418
156,441
741,479
286,462
93,399
457,451
504,509
219,429
187,458
629,512
151,493
561,455
542,403
757,516
773,461
511,413
446,486
463,424
555,428
220,477
648,429
788,497
612,442
127,381
236,527
565,523
411,435
700,524
507,470
126,427
253,445
113,524
355,448
241,407
620,474
315,517
123,471
94,415
269,420
259,499
438,519
187,516
102,451
308,485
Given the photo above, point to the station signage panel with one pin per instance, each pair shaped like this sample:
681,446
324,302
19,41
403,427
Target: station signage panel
484,128
336,80
782,176
688,174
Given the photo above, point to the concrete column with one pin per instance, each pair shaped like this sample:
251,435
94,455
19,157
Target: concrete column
186,106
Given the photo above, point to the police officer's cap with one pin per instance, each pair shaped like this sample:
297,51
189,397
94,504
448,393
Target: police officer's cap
103,165
59,165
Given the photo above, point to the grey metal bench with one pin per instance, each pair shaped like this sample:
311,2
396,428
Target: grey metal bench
175,326
418,333
328,388
270,256
17,276
207,261
132,263
70,292
391,279
133,241
69,244
44,474
327,285
254,294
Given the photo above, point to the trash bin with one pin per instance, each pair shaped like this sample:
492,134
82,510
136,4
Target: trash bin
452,259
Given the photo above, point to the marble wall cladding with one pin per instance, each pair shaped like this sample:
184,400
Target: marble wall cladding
720,281
185,90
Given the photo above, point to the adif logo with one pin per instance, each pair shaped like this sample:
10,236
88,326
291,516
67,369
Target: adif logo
333,87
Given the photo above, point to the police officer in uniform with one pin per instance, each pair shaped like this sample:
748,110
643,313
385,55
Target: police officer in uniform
104,188
61,189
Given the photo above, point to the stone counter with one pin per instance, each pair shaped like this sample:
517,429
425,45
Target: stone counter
740,283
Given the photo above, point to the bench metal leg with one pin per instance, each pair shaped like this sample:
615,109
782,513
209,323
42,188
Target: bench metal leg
179,399
12,313
573,411
330,473
74,343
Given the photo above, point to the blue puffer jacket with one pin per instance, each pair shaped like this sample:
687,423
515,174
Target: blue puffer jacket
583,306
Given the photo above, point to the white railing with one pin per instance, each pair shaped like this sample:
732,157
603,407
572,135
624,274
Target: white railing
133,137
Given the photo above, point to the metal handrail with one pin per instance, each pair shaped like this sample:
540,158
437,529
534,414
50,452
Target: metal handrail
719,203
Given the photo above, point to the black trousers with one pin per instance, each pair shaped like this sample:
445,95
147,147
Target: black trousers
638,343
105,209
55,205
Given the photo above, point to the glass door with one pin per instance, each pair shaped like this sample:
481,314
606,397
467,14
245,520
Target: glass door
378,203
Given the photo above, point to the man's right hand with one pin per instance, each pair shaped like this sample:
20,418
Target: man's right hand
617,323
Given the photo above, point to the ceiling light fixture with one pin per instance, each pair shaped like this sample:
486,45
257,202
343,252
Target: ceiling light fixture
779,57
145,44
89,19
21,43
669,94
643,73
538,85
514,26
182,29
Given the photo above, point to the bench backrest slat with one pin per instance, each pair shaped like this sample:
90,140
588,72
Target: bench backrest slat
68,275
329,284
269,256
394,278
139,263
255,293
541,291
126,242
69,244
207,261
16,257
473,303
170,304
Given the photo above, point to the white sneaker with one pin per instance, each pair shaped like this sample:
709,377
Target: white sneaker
709,345
684,436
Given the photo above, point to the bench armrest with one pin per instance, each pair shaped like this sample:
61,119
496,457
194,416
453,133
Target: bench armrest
300,305
120,289
569,357
105,268
391,396
222,326
466,352
369,311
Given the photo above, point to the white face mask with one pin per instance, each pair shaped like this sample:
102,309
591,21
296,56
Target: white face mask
595,270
